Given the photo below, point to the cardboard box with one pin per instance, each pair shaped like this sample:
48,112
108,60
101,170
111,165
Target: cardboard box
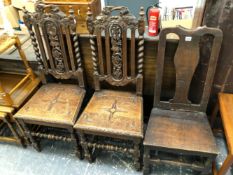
28,4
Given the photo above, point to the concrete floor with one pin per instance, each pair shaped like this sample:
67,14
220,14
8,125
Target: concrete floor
58,158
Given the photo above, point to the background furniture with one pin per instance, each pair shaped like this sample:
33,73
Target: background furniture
178,131
226,111
15,88
52,111
113,119
80,10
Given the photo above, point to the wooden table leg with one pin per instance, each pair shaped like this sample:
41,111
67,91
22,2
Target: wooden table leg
226,165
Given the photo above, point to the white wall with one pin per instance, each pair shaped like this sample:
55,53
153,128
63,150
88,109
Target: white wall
102,4
177,3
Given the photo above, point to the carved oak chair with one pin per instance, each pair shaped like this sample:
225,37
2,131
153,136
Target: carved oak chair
15,88
113,119
178,132
54,105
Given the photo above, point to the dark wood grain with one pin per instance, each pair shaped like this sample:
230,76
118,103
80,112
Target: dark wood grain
57,53
113,118
177,125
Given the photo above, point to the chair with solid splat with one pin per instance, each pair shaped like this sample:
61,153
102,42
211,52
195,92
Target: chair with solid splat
178,131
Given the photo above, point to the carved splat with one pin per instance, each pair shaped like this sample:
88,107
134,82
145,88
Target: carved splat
55,41
114,54
116,42
186,60
56,50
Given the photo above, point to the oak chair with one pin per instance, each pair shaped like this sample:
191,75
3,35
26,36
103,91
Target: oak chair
15,89
178,132
225,107
113,119
55,106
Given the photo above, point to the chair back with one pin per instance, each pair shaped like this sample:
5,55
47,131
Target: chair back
186,60
114,59
55,42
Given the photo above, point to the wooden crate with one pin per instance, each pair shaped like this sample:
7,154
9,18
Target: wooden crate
80,9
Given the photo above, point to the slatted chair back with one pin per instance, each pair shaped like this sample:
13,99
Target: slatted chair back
55,42
111,60
186,60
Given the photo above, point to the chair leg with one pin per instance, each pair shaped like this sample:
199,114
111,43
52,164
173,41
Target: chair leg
213,115
14,132
22,132
208,165
137,155
29,136
214,169
87,151
226,165
146,159
78,148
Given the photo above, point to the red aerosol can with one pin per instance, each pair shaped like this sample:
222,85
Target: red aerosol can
153,19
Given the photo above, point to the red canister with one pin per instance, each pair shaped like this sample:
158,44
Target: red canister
153,21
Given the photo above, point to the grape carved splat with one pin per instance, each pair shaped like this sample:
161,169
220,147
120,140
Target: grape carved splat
55,47
116,32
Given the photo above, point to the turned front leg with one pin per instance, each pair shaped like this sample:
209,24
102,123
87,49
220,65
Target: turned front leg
78,148
137,154
84,144
146,161
29,136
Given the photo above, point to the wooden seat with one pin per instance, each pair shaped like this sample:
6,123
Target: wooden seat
178,131
111,108
189,129
52,111
53,103
226,111
113,119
